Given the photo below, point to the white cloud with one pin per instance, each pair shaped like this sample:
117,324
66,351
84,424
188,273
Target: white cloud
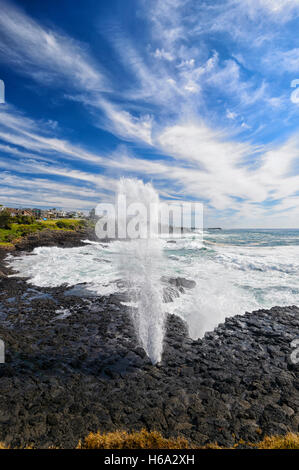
17,129
165,16
21,198
162,54
274,7
31,190
231,114
43,184
283,61
35,167
163,102
128,126
45,54
207,165
51,57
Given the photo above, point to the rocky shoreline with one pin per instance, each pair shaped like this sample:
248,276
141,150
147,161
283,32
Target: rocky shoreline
60,238
73,365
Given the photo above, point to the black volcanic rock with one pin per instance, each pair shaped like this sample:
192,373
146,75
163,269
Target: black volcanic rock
74,365
179,282
175,286
60,238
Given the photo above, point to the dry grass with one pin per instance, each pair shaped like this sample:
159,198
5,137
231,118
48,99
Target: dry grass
154,440
289,441
135,440
212,445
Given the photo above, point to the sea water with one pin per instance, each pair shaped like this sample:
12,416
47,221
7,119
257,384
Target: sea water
235,271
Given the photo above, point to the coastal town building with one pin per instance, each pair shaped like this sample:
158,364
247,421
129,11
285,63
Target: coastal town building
44,213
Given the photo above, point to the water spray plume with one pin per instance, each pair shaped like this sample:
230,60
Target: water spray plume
141,261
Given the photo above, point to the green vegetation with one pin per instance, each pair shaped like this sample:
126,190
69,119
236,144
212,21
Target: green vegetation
6,245
13,228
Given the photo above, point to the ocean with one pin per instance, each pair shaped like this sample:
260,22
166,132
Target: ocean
235,271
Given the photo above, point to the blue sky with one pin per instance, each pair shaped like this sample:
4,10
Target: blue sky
192,95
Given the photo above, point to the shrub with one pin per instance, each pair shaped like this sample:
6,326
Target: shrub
61,224
66,224
24,219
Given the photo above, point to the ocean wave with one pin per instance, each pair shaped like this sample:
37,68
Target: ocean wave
229,279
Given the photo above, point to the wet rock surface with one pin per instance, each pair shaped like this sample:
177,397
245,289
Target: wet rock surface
175,286
73,365
60,238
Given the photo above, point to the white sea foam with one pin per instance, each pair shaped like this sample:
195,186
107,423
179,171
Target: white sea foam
229,279
53,266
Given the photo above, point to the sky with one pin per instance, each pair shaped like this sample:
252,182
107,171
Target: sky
201,98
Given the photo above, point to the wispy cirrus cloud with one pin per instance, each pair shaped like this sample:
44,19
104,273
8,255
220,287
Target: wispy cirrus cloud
53,58
280,10
191,102
45,192
15,128
205,164
283,61
45,54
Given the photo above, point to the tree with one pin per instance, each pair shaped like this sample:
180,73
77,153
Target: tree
5,219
